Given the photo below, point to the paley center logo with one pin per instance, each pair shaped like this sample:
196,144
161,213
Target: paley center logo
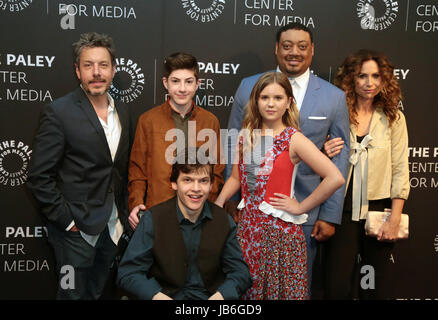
127,72
14,5
376,14
14,162
203,13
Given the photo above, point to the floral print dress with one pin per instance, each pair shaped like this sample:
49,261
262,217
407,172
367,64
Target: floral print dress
275,250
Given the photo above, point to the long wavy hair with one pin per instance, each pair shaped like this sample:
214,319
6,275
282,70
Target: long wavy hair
389,96
253,119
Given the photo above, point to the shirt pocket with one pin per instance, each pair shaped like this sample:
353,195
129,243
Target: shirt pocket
317,118
316,127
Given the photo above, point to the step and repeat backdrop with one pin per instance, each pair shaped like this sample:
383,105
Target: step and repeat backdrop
232,39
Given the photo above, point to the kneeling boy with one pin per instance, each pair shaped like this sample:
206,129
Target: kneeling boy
185,247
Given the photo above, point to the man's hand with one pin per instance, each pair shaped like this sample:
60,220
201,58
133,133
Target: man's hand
216,296
133,216
323,230
161,296
74,229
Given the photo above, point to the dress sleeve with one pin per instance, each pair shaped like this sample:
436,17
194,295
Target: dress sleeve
399,158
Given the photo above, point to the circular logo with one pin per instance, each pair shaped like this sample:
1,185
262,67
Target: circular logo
376,14
14,5
14,162
205,13
128,82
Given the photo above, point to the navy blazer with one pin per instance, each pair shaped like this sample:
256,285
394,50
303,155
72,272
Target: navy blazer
324,111
71,173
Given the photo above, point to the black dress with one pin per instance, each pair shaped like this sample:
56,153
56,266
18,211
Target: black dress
349,251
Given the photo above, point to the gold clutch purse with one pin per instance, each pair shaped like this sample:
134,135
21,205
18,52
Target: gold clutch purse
375,220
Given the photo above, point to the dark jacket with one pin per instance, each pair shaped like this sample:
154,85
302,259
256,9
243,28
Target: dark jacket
71,172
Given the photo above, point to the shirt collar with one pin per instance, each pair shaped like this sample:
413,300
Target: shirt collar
111,105
168,109
205,213
301,80
188,113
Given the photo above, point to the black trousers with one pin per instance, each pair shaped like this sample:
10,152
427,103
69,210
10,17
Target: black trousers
357,266
81,268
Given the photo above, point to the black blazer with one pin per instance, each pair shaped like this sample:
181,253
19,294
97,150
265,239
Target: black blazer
71,173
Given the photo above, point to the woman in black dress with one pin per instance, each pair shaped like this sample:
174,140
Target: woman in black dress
359,266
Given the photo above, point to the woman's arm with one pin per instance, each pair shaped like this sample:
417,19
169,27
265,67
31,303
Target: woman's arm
232,185
399,159
389,230
399,180
302,149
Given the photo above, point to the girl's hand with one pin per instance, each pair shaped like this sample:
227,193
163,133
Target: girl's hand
285,203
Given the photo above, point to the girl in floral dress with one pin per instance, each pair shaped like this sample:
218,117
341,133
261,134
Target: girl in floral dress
269,231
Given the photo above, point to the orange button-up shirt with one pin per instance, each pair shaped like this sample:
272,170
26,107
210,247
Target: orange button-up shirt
148,168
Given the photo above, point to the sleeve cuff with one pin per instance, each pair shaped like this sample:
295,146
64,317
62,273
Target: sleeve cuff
70,226
228,291
153,289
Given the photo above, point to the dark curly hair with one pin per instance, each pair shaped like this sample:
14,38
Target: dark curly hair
389,96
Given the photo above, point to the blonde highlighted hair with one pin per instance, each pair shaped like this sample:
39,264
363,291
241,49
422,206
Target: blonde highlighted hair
253,119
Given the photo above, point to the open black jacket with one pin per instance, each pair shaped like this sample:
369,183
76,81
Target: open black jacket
71,173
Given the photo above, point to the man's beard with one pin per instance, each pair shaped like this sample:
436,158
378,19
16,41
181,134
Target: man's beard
97,93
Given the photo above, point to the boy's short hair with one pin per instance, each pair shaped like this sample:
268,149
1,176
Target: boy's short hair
189,163
180,60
